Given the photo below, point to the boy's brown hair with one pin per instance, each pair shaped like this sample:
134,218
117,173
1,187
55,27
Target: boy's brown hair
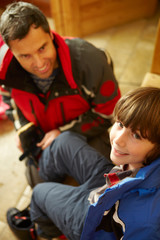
140,110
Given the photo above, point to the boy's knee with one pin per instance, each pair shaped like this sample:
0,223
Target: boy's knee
40,192
68,138
37,192
64,136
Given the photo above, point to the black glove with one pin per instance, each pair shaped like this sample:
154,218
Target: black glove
29,136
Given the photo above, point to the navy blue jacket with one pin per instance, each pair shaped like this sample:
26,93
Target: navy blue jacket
137,208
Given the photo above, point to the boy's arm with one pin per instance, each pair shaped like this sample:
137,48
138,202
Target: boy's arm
142,231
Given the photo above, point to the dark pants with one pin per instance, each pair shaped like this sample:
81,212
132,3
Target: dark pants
59,208
99,142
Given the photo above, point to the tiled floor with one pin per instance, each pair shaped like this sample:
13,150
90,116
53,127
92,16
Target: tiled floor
131,47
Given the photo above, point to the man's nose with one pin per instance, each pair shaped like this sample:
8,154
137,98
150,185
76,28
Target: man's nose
38,61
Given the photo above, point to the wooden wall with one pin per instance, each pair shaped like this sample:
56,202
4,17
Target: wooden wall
83,17
155,68
44,5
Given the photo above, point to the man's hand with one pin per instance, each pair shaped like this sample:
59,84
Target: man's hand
18,143
48,138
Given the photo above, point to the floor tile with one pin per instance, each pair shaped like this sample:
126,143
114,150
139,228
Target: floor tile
134,72
12,179
7,234
2,227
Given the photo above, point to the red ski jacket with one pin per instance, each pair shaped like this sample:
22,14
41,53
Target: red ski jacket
81,98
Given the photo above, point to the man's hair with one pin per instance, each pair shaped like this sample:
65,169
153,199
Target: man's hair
140,110
17,19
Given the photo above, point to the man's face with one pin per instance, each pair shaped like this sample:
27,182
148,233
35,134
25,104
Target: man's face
35,52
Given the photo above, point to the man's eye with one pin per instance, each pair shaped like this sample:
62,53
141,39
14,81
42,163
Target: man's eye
42,49
25,56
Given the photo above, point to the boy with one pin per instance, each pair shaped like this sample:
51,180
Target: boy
127,204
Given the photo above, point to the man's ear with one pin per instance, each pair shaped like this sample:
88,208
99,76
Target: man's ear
51,34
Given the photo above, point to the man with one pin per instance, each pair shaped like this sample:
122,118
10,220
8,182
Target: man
55,84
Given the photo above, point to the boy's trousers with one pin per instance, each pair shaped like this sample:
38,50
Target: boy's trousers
59,208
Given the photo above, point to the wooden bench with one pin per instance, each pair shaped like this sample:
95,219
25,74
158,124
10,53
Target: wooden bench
152,78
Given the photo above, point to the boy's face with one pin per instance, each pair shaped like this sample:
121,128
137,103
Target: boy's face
128,147
35,52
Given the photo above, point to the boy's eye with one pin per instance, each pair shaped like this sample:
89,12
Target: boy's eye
136,135
120,124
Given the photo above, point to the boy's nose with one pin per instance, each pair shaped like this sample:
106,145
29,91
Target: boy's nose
120,139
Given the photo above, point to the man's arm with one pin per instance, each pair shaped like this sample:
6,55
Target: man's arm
27,134
13,113
93,73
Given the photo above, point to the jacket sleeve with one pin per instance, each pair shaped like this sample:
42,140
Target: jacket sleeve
13,113
93,73
142,231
